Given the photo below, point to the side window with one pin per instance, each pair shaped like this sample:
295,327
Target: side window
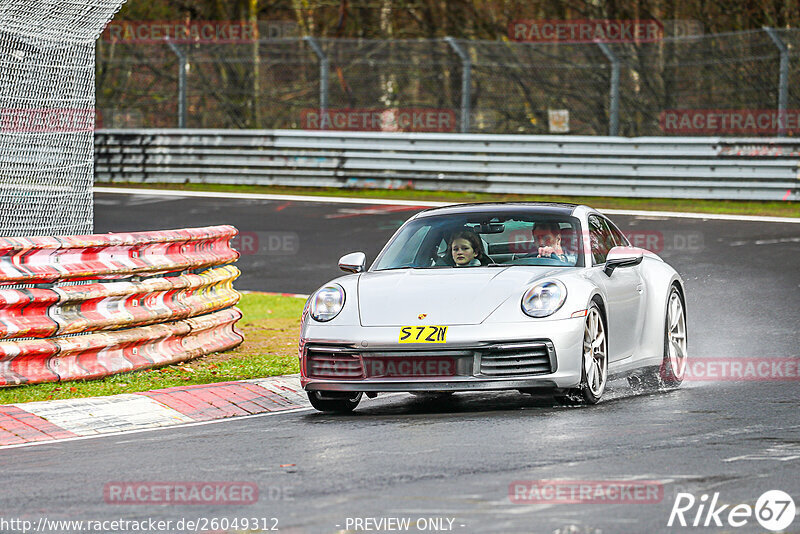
619,238
600,237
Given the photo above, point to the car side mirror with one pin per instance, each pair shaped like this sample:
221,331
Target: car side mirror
622,257
353,262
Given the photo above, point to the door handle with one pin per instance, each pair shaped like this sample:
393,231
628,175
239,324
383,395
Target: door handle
640,288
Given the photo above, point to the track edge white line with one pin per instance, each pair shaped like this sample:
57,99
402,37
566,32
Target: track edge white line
425,204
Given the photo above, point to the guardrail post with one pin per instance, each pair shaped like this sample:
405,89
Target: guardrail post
183,64
783,81
324,69
613,104
466,83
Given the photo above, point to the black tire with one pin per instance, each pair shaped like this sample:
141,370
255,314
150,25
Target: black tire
584,394
335,402
673,370
666,376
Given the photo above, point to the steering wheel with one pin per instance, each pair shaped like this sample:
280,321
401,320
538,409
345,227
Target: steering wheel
544,260
553,260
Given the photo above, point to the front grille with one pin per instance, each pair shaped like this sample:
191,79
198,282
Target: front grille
518,359
415,363
495,360
329,364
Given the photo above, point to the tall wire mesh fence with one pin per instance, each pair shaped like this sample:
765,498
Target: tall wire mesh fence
476,86
47,114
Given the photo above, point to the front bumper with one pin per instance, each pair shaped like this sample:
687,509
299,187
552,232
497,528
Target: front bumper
541,355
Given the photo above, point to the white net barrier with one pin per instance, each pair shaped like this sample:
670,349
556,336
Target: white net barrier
47,103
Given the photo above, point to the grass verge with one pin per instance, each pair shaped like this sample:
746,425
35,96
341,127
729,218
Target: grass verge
733,207
270,325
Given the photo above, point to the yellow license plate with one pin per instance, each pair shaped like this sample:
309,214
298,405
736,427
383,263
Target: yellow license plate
423,334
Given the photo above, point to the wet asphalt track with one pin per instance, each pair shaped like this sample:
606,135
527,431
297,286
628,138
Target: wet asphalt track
399,456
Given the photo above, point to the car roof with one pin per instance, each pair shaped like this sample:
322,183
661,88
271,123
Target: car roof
543,208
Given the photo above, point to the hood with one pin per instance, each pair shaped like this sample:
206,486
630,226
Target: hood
447,296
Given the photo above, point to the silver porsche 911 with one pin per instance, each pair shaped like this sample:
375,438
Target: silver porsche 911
496,296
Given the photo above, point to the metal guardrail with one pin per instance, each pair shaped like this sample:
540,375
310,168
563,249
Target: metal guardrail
108,326
691,167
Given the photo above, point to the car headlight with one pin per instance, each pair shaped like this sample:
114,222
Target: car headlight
327,303
543,299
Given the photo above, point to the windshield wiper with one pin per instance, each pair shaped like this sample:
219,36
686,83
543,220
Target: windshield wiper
496,265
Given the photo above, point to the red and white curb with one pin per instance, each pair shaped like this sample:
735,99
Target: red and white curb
44,421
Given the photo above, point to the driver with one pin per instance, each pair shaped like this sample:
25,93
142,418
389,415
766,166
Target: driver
547,236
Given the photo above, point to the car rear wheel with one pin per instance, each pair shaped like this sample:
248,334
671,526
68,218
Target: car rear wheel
336,402
673,367
595,361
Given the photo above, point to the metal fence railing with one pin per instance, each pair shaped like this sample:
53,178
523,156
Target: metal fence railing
672,167
473,86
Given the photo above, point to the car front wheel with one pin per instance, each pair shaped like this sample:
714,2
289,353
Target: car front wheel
594,374
336,402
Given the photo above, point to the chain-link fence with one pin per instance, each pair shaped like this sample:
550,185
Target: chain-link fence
725,84
47,107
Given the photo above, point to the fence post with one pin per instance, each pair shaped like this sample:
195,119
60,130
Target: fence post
783,81
182,66
613,105
466,83
324,69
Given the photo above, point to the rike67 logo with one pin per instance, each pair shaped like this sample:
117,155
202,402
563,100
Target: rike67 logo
774,510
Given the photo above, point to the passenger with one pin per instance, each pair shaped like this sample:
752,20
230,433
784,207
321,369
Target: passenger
547,236
466,249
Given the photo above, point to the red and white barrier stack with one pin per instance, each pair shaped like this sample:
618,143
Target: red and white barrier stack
149,299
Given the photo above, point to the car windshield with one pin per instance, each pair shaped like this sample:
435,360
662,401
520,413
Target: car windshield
483,240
